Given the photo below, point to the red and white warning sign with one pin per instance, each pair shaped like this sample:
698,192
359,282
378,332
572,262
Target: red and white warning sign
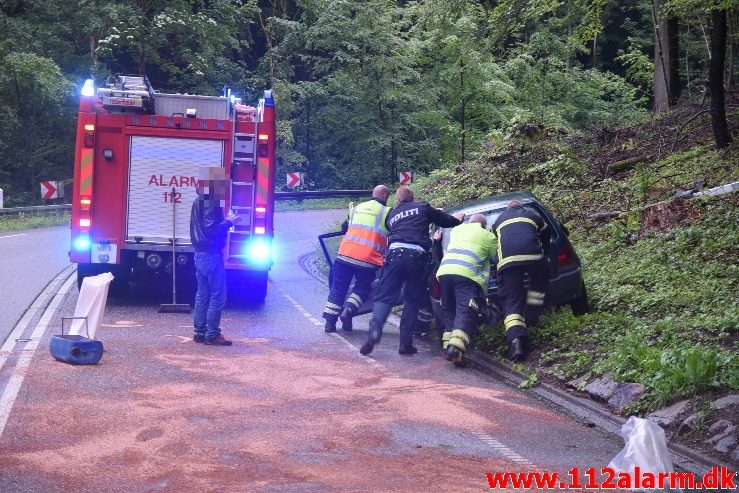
295,179
51,190
406,177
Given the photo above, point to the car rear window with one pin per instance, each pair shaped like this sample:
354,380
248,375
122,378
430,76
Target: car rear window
492,215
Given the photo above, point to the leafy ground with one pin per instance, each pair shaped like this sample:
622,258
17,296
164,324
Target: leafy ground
19,222
662,280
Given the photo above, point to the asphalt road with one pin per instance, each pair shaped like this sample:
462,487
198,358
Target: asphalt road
28,261
287,408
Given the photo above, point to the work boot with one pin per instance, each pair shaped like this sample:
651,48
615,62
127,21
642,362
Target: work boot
346,320
455,355
518,348
408,350
330,326
198,337
218,340
373,337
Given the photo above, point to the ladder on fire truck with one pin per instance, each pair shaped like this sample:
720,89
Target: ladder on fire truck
243,180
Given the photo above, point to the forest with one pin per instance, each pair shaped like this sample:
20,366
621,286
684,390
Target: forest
367,88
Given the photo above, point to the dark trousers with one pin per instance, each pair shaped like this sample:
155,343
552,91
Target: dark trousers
404,268
519,307
342,274
456,293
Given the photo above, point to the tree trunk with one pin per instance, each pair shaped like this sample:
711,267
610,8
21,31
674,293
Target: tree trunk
666,59
464,104
716,79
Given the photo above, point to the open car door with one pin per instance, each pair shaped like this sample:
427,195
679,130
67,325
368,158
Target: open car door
330,245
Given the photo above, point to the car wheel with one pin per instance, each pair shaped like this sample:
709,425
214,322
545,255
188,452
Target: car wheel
580,304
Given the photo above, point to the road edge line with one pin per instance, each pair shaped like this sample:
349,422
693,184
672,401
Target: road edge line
13,386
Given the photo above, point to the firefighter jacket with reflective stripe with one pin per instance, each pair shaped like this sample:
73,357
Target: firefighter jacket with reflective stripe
409,223
366,236
468,254
523,236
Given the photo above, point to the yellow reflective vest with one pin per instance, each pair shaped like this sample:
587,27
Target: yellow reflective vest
366,236
468,254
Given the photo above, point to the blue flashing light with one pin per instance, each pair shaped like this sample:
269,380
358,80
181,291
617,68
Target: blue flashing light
82,243
260,252
89,88
268,99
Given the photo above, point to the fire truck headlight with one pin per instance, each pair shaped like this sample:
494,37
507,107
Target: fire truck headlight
89,88
82,243
259,251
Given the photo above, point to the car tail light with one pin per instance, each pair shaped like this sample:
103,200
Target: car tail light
566,257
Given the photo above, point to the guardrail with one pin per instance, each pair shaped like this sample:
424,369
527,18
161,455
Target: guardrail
322,194
36,209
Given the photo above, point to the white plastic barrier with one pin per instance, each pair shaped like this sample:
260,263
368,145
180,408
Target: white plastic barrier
91,304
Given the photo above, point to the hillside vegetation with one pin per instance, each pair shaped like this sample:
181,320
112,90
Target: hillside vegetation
662,281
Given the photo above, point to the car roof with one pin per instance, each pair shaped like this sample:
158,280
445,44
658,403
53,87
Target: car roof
493,202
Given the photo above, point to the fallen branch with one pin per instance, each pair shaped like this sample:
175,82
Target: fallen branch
625,164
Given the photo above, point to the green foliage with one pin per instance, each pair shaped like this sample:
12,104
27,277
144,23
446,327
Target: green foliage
21,221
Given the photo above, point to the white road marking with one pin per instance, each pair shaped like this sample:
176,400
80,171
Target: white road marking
316,322
37,305
24,360
502,449
12,236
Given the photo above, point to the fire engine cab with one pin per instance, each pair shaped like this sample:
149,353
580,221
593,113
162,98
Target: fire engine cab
136,167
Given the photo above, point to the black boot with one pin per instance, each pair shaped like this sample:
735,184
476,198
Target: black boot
346,320
373,337
408,350
518,348
330,326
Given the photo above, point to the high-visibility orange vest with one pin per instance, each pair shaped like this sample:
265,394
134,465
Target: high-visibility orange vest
366,237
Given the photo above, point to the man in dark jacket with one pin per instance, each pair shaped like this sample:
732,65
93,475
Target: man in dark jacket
405,266
208,233
523,237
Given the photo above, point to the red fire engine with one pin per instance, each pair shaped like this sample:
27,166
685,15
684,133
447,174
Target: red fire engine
136,167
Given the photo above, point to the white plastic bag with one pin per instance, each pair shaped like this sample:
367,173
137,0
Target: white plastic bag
91,304
645,447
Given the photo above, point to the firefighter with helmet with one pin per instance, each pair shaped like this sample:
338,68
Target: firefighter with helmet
463,275
360,255
523,237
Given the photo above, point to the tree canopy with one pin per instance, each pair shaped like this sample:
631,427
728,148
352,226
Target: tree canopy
365,88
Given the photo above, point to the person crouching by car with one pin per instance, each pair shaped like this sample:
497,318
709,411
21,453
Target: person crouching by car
463,275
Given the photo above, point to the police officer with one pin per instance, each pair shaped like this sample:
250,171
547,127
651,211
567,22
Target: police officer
523,237
360,255
463,275
404,267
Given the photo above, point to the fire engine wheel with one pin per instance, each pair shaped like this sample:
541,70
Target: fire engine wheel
248,286
120,285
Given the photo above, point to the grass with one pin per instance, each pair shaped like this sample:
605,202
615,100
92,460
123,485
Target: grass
312,204
662,282
22,221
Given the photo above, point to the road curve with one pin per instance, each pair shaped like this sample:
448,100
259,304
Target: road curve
29,260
